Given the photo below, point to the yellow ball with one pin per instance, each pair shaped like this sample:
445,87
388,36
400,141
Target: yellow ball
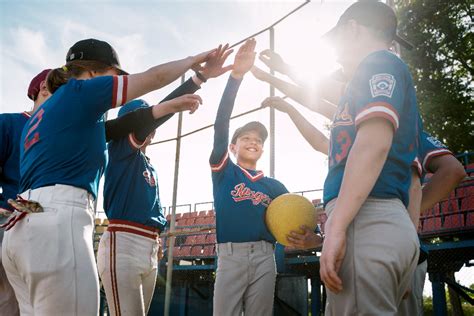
287,213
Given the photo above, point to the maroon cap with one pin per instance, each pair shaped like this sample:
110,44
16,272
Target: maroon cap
35,84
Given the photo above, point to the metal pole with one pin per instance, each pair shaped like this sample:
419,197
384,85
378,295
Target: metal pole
272,112
169,271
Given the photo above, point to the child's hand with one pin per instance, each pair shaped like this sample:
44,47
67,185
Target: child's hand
273,61
187,102
277,103
306,240
214,65
244,59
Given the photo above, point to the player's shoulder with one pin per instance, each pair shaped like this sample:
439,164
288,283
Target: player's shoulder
13,118
274,182
383,60
431,141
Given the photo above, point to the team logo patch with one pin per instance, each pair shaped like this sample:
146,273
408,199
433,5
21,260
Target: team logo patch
382,85
436,142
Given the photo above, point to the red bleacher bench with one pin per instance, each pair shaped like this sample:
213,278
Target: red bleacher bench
196,251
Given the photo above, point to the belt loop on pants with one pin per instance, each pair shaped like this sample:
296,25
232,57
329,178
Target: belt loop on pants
264,246
229,248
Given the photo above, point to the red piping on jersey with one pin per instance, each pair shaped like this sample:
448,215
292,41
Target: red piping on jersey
114,91
26,114
258,176
221,164
433,154
382,114
134,142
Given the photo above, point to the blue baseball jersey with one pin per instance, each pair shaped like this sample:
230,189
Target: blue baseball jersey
381,87
11,126
131,185
429,148
241,196
64,141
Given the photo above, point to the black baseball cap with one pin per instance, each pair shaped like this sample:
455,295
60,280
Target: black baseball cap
251,126
373,14
94,49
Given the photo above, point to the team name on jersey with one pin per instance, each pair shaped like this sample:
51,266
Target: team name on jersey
242,193
149,178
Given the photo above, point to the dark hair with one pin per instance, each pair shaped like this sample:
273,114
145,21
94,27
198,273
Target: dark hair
59,76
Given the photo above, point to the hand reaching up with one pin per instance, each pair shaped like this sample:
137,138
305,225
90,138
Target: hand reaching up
244,59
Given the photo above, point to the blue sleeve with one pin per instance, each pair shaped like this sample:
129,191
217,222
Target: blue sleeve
100,94
4,141
380,90
280,188
430,147
123,148
219,155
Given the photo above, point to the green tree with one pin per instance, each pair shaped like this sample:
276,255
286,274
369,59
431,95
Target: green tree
442,66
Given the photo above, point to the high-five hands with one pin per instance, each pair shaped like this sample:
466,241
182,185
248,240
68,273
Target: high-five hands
244,59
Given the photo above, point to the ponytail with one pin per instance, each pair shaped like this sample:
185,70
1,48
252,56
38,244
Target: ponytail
59,76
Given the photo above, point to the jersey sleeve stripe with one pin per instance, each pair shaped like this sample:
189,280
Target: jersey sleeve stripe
135,143
432,154
119,94
417,165
114,91
221,164
378,109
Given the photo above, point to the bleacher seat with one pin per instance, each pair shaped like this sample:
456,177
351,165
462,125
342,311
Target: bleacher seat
190,240
202,214
470,219
200,239
467,203
454,221
189,221
184,251
186,215
200,221
209,220
211,239
209,251
177,216
431,224
211,213
181,222
449,206
196,251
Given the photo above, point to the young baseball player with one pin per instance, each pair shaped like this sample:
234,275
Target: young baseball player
246,270
11,126
447,171
48,256
127,256
372,146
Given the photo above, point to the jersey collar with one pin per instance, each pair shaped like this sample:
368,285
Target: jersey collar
258,175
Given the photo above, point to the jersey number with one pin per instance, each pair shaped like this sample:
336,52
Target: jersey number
31,140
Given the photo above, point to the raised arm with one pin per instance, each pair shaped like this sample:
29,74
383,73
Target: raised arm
159,76
244,60
143,121
312,135
322,99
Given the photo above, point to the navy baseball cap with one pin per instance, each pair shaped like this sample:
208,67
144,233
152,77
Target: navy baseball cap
375,15
251,126
94,49
132,106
